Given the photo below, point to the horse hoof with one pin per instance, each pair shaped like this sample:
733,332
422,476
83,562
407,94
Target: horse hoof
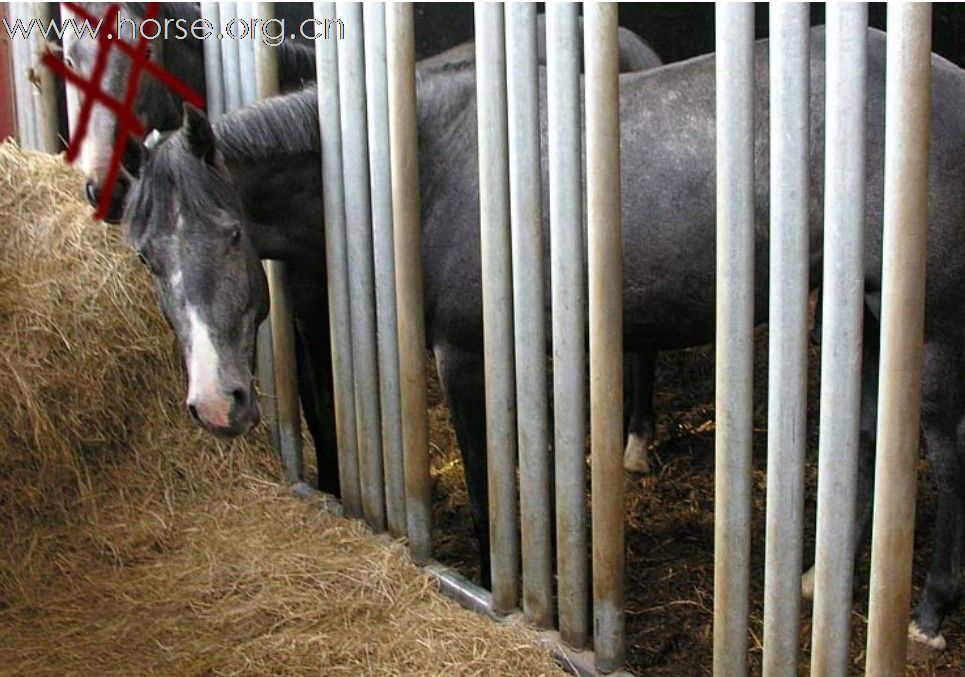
807,585
919,636
636,457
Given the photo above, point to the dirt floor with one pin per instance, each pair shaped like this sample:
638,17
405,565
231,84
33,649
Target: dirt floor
670,529
135,544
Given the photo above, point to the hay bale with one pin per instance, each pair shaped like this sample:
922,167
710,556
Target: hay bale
134,543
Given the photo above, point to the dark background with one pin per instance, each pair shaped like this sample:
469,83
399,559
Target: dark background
680,30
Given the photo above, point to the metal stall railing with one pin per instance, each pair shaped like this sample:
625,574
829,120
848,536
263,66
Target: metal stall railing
905,223
605,269
497,297
529,317
511,234
567,261
361,276
407,222
841,338
282,356
907,117
387,331
788,343
735,334
336,261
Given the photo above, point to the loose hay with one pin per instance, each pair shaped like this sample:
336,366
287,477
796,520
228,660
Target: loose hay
134,543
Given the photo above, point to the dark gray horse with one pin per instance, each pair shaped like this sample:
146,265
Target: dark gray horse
160,108
210,203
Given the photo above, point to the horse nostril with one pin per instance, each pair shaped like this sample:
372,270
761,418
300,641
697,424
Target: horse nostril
240,397
93,193
193,410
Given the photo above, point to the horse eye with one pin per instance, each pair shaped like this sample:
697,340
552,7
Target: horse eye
235,235
141,258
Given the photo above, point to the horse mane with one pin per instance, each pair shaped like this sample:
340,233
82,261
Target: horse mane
277,127
296,64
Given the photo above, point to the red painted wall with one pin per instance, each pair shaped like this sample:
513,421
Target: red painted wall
7,115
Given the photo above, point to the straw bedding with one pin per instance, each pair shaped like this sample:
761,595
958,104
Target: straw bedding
134,543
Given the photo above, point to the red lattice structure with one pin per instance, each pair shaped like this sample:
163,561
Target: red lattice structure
93,93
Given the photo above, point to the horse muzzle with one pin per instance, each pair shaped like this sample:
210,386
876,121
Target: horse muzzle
115,208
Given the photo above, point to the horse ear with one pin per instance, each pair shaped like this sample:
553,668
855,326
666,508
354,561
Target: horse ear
198,133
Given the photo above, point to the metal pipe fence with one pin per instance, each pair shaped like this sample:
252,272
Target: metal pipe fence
368,123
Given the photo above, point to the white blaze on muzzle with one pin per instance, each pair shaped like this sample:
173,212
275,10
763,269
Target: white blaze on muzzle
97,146
204,391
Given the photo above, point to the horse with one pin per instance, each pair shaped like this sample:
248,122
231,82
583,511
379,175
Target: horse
160,108
210,201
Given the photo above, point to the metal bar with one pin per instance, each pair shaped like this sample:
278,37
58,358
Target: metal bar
387,334
229,57
336,263
788,323
497,294
735,334
358,213
72,96
282,356
45,91
246,52
20,53
455,586
605,256
213,73
567,261
286,377
407,219
843,300
907,114
529,319
267,378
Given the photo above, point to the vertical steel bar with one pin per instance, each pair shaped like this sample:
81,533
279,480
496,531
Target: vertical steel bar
73,100
497,291
387,331
358,214
229,56
246,93
567,261
735,334
407,219
907,113
45,90
282,355
529,319
843,300
605,257
246,52
336,263
213,73
788,353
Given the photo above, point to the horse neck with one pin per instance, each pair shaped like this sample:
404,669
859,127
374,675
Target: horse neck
282,204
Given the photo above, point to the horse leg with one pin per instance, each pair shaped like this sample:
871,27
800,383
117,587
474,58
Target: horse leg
942,406
640,428
315,387
461,376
